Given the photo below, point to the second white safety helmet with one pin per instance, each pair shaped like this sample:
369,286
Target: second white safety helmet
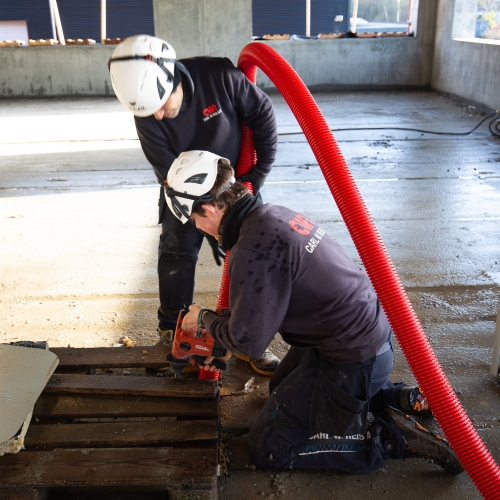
142,73
189,181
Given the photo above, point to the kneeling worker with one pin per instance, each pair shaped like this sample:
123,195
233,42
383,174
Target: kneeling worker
331,404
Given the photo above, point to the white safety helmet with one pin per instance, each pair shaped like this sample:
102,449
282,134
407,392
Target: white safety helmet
189,181
142,73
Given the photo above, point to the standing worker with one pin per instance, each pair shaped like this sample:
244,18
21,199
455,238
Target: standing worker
180,105
331,404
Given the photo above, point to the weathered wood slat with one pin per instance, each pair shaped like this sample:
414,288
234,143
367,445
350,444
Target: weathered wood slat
103,406
135,386
111,357
182,469
24,493
119,434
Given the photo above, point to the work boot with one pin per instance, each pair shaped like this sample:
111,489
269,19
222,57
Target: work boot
413,402
166,337
421,443
265,364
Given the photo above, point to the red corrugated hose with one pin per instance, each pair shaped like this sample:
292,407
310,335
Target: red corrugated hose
208,375
447,409
245,163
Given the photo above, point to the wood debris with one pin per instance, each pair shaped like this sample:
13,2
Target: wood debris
249,387
127,342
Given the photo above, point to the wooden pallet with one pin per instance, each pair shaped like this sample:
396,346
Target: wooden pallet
104,430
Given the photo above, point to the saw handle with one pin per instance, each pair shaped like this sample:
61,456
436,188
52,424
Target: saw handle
215,362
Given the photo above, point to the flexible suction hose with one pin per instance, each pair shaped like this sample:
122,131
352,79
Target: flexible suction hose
448,411
245,163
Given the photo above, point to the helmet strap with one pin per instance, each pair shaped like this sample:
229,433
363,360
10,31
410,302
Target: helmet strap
177,78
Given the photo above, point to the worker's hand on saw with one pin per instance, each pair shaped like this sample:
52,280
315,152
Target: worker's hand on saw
256,178
190,320
207,366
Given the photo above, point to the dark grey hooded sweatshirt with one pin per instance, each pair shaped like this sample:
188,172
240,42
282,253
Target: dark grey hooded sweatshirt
288,275
217,98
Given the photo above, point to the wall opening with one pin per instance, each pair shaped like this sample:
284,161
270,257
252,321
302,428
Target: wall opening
477,20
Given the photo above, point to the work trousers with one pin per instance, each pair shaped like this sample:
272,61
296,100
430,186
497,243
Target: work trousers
317,415
177,257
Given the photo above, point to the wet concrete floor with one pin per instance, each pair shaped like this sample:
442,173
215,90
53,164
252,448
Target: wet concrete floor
78,248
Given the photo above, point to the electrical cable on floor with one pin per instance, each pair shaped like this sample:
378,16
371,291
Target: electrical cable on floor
494,127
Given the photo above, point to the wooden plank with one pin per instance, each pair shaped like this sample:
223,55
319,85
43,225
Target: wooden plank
180,468
104,406
135,386
119,434
111,357
24,493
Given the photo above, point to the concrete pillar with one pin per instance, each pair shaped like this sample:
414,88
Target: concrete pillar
204,27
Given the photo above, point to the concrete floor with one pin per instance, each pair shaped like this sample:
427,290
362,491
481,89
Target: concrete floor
78,246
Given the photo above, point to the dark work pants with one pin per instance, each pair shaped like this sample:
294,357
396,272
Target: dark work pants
177,256
316,415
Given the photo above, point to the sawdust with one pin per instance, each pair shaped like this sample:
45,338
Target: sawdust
248,387
223,456
278,486
127,342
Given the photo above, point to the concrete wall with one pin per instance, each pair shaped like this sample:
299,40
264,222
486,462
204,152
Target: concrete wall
204,27
468,69
55,71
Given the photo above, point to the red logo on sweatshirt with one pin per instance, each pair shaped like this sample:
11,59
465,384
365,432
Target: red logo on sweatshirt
301,224
210,109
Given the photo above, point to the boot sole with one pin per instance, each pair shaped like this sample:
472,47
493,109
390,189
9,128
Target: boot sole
452,467
252,364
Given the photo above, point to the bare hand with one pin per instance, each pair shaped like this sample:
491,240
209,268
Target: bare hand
190,320
209,359
207,366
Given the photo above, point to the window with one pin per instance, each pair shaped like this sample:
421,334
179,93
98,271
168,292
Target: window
477,20
81,18
382,15
289,16
333,16
488,19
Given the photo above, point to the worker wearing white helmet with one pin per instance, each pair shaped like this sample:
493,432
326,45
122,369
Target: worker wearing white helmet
193,104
